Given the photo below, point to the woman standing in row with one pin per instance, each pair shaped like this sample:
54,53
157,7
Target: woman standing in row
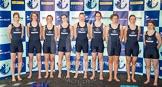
152,43
131,37
49,45
114,36
15,36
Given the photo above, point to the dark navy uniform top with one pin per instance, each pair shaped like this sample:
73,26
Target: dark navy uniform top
132,35
16,32
114,34
82,32
49,34
151,40
97,32
64,32
34,32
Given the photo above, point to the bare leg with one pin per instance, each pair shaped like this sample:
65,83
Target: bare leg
38,55
134,68
93,65
85,64
77,64
156,71
116,61
30,65
128,59
13,58
46,57
60,64
68,64
110,68
148,64
52,57
100,56
19,65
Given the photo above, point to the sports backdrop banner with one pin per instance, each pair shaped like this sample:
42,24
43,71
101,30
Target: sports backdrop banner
143,9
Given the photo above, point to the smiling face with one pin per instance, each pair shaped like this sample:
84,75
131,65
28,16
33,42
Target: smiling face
49,19
98,16
151,26
82,17
16,17
64,18
115,19
132,19
34,17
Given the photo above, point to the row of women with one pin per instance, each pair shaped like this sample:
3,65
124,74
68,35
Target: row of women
97,32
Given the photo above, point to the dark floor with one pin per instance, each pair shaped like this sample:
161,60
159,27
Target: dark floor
80,82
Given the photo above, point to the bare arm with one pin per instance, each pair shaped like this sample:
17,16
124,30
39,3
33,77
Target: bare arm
71,32
55,37
90,33
43,33
41,29
22,33
58,31
139,32
104,27
121,33
28,34
144,39
159,39
125,34
106,33
88,26
9,32
75,27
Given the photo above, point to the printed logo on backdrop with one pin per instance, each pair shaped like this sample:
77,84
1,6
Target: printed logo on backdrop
122,63
152,3
18,5
5,18
160,68
47,5
35,64
62,4
106,5
121,4
76,5
4,4
32,4
152,15
91,4
4,51
139,65
4,68
133,4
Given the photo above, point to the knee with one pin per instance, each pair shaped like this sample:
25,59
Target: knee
133,63
19,60
148,66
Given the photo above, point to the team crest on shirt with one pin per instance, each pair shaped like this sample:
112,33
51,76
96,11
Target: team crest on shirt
49,31
4,4
152,3
114,31
64,30
17,29
34,29
149,38
82,29
133,32
97,29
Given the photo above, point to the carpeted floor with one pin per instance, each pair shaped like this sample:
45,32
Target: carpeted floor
79,82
